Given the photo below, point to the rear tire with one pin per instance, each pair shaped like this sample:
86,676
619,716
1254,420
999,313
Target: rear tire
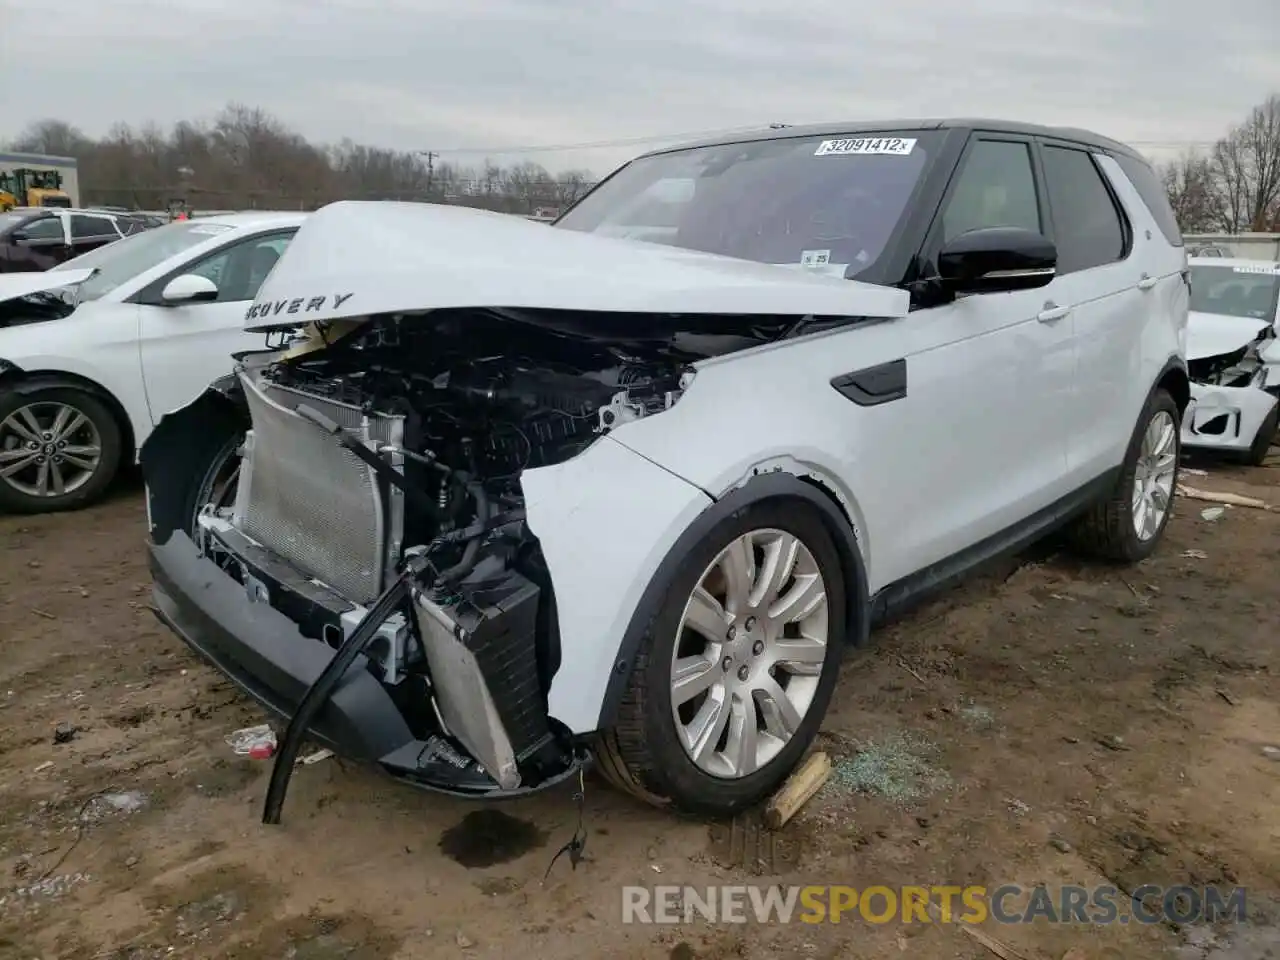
60,448
1262,441
1109,530
645,751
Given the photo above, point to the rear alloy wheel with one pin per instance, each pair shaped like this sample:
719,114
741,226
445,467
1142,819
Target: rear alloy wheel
59,449
1129,522
732,681
1153,477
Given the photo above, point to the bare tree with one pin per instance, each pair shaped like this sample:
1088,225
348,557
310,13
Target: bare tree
1260,138
52,137
527,185
571,186
1246,169
1189,182
246,157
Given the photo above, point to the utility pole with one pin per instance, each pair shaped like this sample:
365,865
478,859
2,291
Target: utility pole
431,168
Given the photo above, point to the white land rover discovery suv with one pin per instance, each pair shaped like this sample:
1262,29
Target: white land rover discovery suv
498,498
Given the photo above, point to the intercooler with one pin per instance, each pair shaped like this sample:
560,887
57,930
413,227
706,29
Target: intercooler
314,503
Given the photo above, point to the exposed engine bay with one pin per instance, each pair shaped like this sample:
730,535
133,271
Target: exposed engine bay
393,456
35,308
458,428
1239,368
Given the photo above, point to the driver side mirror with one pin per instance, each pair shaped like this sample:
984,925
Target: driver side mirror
19,236
189,288
997,260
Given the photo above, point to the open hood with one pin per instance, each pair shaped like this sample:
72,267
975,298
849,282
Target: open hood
355,259
15,285
1214,334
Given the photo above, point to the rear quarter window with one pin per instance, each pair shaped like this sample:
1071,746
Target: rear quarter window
1151,191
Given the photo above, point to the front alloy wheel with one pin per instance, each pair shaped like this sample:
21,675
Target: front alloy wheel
749,652
737,664
48,449
60,447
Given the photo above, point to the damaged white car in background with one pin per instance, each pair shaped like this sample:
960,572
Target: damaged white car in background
1233,357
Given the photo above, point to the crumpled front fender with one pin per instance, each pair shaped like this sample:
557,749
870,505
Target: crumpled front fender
606,519
180,449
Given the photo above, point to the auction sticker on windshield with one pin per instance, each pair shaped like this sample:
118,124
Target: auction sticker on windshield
867,146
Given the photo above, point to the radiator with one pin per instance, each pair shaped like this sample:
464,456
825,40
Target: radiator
311,501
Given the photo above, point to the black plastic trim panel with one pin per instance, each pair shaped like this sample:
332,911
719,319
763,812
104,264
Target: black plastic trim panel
873,386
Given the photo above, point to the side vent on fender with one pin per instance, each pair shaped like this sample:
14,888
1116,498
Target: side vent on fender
874,385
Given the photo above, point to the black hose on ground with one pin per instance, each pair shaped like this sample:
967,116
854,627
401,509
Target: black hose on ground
322,689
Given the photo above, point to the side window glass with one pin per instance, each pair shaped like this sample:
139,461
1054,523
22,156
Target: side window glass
259,258
239,270
47,228
1086,224
212,268
997,188
91,228
1153,194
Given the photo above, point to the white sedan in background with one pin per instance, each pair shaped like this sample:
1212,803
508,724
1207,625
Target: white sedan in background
94,352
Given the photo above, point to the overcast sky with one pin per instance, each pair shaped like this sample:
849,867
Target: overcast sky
430,74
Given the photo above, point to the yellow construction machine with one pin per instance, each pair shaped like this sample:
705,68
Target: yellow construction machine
32,188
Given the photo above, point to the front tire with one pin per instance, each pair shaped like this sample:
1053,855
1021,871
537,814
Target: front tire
1129,523
218,484
736,671
60,448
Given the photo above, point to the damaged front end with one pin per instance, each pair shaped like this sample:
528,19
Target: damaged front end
1234,387
340,529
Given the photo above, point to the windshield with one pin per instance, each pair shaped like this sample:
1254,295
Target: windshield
825,204
123,260
1250,291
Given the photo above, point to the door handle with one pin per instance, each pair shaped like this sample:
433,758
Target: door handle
1052,312
1146,282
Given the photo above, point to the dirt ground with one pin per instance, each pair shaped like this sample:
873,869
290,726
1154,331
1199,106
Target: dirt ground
1050,722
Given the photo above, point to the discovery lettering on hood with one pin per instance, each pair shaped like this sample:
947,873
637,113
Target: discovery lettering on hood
296,305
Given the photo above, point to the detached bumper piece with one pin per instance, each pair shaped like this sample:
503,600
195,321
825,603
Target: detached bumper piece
481,688
1225,418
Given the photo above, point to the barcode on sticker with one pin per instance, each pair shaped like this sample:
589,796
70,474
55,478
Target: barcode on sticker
1258,268
883,146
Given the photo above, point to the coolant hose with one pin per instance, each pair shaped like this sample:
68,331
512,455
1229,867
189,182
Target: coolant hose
471,552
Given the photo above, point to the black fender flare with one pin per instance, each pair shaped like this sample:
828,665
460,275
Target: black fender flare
774,485
1183,394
